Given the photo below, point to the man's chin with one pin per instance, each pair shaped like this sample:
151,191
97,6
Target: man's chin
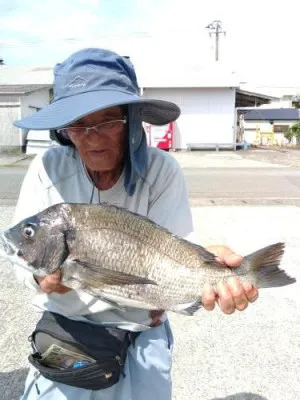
101,165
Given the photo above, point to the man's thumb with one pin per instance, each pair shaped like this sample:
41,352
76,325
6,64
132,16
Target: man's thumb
233,260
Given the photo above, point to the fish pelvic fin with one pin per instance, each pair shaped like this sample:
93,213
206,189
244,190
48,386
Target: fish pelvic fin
187,309
264,267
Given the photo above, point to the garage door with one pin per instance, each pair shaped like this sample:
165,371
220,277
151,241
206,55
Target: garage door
9,134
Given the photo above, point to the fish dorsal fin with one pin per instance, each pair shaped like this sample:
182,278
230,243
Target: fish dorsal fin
204,254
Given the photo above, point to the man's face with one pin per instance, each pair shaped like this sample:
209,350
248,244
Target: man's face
101,150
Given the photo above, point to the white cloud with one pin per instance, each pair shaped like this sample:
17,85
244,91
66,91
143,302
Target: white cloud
260,42
43,25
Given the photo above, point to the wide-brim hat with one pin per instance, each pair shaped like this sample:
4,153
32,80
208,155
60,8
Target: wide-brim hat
91,80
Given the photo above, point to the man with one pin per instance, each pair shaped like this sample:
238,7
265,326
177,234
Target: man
97,114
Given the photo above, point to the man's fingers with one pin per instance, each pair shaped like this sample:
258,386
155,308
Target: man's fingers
230,296
208,297
50,288
225,300
54,278
233,260
225,255
238,294
51,283
251,292
61,289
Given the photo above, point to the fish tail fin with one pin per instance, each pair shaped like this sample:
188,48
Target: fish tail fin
263,267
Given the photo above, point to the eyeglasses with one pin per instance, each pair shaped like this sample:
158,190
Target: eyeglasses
108,127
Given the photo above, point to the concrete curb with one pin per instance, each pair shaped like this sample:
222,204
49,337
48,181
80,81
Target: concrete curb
195,159
220,160
15,161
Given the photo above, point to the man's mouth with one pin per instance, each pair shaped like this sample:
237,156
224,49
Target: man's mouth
96,152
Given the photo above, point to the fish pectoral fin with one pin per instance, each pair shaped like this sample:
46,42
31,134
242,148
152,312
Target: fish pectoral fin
107,276
187,309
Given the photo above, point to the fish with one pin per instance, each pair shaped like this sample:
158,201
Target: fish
128,260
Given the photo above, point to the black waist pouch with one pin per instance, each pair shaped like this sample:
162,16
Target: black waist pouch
79,354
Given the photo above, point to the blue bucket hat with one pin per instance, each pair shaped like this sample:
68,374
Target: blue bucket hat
93,79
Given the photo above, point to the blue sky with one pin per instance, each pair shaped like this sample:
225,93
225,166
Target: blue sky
261,41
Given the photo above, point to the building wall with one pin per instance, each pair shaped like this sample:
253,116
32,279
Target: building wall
13,107
9,112
30,103
207,114
262,132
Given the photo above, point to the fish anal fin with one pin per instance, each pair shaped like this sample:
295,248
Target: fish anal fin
187,309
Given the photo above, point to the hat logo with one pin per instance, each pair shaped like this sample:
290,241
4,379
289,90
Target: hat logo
77,82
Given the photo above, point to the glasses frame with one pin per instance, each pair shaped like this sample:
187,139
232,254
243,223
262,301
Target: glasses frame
85,129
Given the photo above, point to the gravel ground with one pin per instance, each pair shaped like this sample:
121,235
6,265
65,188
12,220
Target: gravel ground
250,355
284,156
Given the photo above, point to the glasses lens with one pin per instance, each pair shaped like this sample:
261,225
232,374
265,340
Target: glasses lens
76,130
64,133
111,126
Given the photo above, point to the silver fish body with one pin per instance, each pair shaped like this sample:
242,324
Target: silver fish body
122,257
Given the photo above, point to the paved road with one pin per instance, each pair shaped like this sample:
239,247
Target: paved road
207,186
243,186
10,182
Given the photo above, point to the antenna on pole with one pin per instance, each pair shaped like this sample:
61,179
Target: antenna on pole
215,28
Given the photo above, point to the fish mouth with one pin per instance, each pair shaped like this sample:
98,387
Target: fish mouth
11,253
9,248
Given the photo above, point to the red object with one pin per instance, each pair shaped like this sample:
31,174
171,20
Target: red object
160,136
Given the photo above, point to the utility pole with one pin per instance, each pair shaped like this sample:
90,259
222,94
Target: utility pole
215,28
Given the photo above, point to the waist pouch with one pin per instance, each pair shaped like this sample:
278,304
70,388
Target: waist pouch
78,353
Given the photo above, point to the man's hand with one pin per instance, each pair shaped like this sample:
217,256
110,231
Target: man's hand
51,283
232,295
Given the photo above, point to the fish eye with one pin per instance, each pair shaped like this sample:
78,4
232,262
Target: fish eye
28,231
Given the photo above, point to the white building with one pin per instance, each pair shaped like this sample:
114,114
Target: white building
23,90
266,126
19,101
208,100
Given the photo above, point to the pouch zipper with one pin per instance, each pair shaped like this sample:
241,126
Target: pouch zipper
31,339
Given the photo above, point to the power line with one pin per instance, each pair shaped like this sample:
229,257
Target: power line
64,41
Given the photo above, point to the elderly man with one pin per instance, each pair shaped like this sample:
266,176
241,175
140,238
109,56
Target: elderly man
97,114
